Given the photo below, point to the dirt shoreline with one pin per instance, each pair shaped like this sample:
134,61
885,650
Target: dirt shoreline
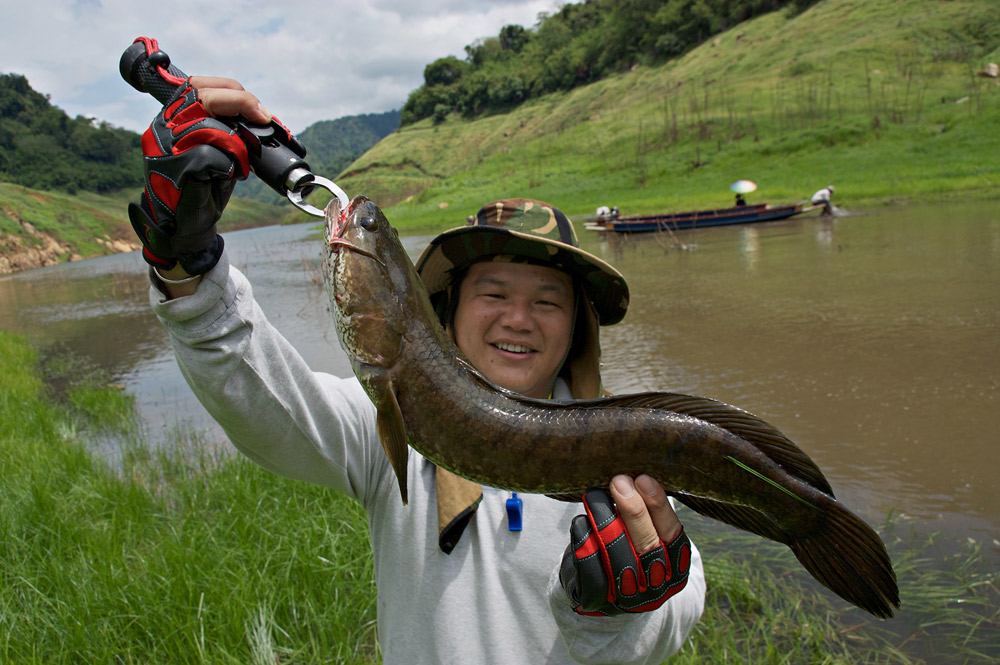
38,249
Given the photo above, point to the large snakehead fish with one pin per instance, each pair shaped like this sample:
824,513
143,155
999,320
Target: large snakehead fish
714,458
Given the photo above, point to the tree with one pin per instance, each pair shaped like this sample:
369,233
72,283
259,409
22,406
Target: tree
444,71
513,38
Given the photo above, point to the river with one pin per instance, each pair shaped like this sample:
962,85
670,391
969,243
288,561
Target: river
871,340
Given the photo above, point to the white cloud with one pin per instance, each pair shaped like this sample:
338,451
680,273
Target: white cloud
307,61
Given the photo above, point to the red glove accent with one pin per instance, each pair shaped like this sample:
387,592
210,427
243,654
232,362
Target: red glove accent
601,572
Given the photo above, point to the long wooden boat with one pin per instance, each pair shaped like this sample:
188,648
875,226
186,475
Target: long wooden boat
748,214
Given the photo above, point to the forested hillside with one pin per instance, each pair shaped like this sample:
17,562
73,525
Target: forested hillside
579,44
43,148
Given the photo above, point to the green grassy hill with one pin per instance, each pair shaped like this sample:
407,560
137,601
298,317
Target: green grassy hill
878,97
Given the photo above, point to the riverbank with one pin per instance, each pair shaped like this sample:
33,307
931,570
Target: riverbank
195,555
43,228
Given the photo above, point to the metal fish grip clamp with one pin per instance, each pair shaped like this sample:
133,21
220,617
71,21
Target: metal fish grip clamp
276,157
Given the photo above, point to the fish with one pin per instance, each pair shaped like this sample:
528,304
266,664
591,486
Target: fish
719,460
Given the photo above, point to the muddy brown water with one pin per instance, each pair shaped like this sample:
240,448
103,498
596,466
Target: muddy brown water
872,340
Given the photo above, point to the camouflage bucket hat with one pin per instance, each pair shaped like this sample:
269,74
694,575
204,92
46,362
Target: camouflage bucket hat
529,230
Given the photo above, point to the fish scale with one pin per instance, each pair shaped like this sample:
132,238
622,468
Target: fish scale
718,460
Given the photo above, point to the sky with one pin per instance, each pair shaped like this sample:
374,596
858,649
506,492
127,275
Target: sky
306,61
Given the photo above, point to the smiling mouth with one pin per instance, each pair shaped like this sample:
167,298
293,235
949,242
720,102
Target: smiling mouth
512,348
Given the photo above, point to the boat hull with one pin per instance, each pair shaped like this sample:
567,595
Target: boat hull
700,218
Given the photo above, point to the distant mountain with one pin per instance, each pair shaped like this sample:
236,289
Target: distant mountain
332,145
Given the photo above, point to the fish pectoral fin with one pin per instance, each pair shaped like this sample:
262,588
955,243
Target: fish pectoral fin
382,340
392,436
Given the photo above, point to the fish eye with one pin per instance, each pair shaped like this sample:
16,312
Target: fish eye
368,223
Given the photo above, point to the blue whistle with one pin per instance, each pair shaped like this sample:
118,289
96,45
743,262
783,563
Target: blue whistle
514,511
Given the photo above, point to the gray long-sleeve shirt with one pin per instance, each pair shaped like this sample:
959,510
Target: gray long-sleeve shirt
496,598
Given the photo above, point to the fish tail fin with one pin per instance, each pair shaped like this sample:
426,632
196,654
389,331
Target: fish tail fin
848,557
837,548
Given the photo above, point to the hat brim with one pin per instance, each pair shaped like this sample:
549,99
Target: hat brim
603,284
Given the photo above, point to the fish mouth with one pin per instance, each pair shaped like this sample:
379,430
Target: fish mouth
336,227
337,243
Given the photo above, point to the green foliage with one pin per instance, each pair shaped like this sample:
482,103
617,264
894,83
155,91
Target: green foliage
186,556
444,71
41,147
578,44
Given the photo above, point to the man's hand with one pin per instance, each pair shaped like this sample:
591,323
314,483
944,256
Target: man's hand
192,163
226,97
632,558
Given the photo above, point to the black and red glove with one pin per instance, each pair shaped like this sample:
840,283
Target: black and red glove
192,163
601,572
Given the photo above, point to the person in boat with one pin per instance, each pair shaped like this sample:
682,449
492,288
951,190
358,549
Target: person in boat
740,201
822,197
524,303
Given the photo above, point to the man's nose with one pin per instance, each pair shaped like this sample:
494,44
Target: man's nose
517,315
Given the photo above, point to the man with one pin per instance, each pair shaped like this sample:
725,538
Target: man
523,302
822,197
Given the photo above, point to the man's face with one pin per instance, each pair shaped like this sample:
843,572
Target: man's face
514,322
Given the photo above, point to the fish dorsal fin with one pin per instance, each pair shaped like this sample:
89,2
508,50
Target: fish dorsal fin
392,436
743,424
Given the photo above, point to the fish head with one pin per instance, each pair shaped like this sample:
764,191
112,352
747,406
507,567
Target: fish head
366,273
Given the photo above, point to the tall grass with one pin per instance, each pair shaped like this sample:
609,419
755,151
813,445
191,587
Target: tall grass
191,555
184,556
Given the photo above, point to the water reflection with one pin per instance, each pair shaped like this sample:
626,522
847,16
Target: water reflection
870,340
750,246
